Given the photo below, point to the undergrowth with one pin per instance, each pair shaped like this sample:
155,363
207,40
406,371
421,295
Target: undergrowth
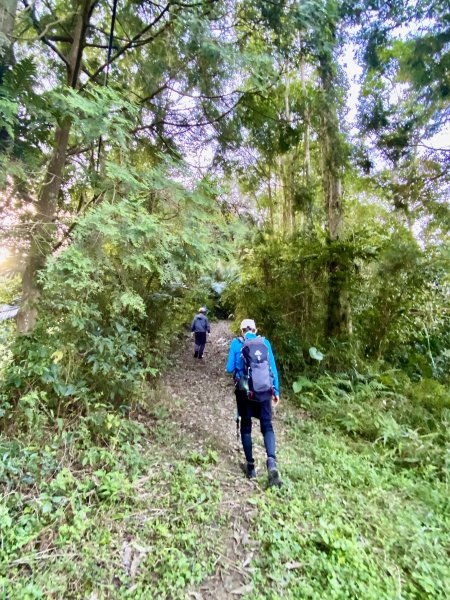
109,502
349,524
102,508
406,421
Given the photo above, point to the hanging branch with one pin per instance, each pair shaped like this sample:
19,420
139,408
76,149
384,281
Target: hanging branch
108,60
131,44
42,32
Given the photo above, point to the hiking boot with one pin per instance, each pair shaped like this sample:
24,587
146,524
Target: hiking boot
195,354
274,477
250,470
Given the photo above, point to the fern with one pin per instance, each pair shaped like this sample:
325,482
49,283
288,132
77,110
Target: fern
20,78
8,112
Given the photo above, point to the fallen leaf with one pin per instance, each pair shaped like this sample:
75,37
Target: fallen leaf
245,589
247,560
135,565
293,565
126,558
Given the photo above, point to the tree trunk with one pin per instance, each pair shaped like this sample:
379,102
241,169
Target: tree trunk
306,149
270,198
41,241
338,304
7,18
285,165
44,222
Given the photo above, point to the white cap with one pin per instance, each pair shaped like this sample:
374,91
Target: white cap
248,323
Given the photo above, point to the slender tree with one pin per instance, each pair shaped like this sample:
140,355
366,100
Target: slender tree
152,46
338,304
42,236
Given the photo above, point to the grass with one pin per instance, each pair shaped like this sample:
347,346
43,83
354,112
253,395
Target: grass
124,519
349,524
111,507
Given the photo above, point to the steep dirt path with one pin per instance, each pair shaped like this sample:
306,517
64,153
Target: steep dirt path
206,414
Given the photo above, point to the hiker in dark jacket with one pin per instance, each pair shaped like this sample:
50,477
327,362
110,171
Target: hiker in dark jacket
252,403
200,327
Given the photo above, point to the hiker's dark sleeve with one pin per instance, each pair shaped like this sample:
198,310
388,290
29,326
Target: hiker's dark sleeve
208,327
192,326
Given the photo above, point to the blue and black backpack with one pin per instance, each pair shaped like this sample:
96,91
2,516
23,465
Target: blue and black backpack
257,378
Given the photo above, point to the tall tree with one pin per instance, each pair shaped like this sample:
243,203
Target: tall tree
41,241
304,44
163,60
333,160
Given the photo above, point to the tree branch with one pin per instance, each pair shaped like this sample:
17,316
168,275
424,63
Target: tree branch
41,32
131,43
60,38
75,223
422,145
204,96
77,150
153,94
188,125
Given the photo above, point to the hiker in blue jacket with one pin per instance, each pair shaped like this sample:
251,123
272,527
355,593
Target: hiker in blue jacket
252,403
200,327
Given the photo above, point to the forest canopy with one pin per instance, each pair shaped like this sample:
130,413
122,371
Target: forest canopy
282,160
148,149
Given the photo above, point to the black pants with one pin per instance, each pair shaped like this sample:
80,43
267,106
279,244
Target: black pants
261,410
200,341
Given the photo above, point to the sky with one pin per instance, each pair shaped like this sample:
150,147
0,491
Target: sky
354,73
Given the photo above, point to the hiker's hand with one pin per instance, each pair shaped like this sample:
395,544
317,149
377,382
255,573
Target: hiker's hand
275,400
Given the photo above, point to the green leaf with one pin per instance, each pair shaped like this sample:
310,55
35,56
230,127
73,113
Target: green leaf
302,382
315,354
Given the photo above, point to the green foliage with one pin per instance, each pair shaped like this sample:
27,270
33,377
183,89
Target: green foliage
102,112
95,504
7,331
9,286
417,61
407,421
16,85
268,287
8,111
137,251
111,302
348,524
399,310
397,294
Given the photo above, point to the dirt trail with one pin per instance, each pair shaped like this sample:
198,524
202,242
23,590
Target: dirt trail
206,390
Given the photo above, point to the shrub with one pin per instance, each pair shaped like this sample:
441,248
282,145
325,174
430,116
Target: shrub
405,419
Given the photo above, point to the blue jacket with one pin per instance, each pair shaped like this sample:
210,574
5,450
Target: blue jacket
235,363
200,324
